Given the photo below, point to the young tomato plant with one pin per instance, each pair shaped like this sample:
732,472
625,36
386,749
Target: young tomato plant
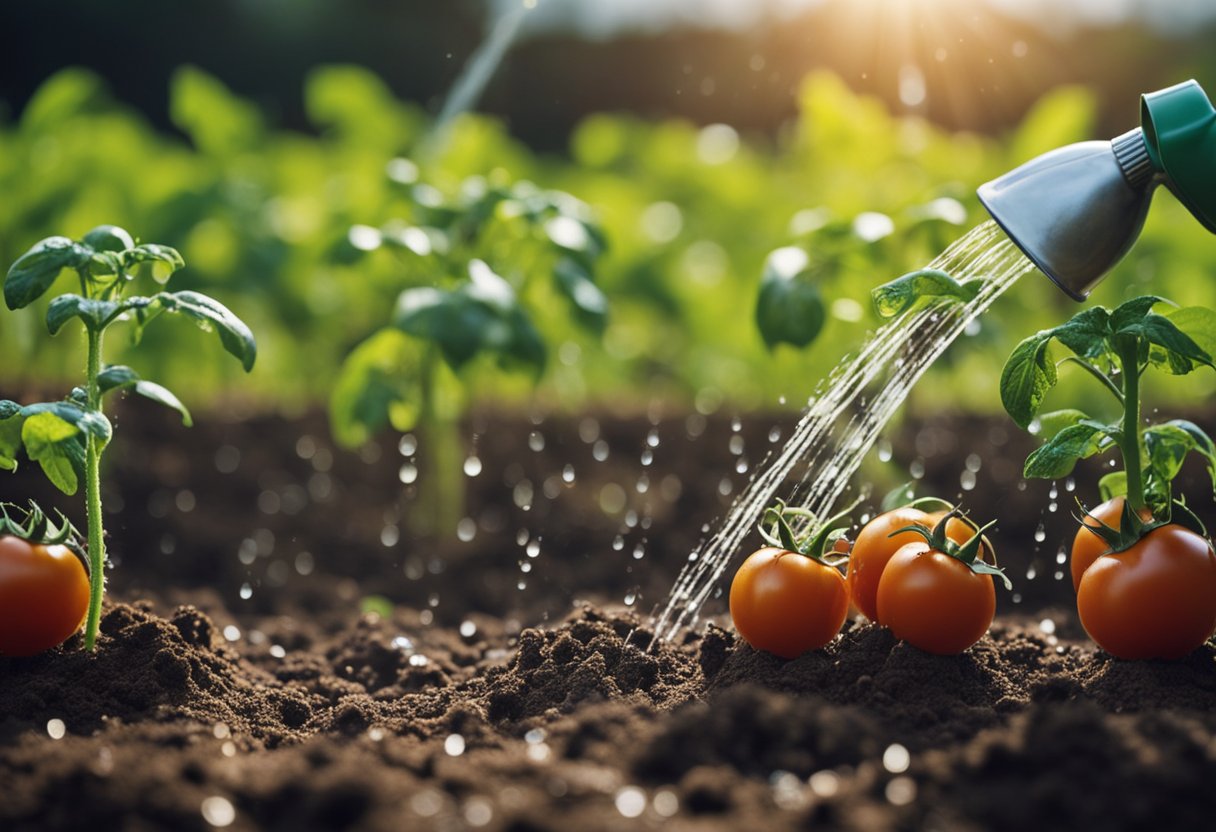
887,533
1146,586
44,581
481,268
936,594
67,438
791,597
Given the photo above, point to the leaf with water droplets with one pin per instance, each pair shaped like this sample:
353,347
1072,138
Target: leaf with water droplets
901,294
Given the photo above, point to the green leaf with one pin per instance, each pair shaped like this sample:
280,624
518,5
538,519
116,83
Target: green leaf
93,313
10,434
217,121
1168,444
481,315
87,421
108,238
1132,312
165,260
55,445
901,294
1113,485
35,271
1197,323
377,385
1179,353
1057,457
1050,424
789,308
589,302
118,377
1086,333
210,315
1027,376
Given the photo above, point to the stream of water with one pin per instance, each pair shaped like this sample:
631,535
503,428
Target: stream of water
845,416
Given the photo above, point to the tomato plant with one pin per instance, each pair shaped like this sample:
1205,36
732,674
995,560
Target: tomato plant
791,597
885,534
482,267
1152,593
67,437
936,594
44,581
1153,596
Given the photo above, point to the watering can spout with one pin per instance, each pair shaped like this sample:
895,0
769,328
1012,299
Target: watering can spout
1076,211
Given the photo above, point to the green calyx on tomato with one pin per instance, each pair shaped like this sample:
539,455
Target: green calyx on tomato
818,543
33,526
1133,528
966,553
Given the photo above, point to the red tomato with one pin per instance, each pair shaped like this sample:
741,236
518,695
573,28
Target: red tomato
44,596
1157,600
874,547
934,601
787,603
1087,547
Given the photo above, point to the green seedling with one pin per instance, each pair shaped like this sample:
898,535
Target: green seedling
1116,348
67,438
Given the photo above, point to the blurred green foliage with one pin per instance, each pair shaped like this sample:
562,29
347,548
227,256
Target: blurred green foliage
690,213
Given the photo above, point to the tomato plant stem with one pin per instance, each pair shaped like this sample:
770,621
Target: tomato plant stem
97,552
1129,444
440,502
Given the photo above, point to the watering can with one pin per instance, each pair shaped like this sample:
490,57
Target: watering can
1077,210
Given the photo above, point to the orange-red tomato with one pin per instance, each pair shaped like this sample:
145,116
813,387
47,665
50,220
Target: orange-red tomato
1087,547
787,603
44,596
1157,600
934,601
874,548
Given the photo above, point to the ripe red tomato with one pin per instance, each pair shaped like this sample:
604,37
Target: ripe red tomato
1156,600
874,547
44,596
787,603
1087,547
934,601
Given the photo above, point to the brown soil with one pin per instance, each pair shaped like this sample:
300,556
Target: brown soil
473,704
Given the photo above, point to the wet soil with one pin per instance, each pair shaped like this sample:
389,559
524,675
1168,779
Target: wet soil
384,682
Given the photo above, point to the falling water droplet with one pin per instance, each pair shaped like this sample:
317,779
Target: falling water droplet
472,466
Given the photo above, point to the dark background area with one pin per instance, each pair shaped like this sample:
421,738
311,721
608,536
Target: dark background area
982,70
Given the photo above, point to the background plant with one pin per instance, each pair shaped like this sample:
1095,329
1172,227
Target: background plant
692,212
67,438
482,268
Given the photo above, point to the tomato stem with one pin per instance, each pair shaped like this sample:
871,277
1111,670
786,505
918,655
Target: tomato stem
96,549
1129,443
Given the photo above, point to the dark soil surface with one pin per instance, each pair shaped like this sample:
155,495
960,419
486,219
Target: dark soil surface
284,662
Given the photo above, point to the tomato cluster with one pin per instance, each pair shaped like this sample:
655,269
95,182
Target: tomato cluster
917,572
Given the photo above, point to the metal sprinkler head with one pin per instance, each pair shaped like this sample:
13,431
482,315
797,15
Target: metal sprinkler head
1077,210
